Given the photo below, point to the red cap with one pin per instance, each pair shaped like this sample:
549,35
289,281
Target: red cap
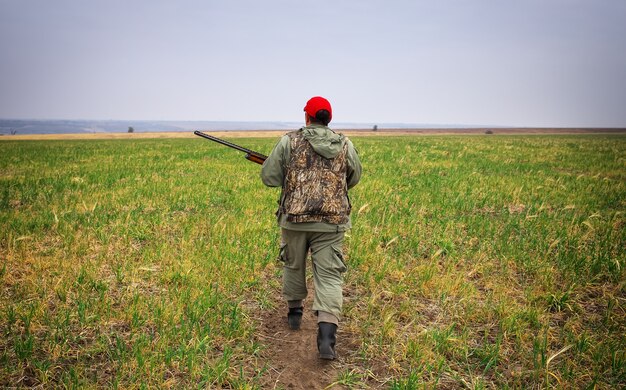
318,103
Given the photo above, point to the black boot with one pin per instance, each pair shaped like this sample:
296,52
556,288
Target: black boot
294,317
326,339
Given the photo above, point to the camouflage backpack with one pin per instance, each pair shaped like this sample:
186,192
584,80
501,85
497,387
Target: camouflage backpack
315,188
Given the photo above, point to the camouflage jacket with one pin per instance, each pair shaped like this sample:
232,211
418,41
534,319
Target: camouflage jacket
315,188
323,146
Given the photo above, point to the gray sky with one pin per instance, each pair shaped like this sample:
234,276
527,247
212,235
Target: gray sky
492,62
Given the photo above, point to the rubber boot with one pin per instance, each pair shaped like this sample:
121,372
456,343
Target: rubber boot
326,339
294,317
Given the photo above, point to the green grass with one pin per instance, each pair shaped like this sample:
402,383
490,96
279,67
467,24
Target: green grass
475,261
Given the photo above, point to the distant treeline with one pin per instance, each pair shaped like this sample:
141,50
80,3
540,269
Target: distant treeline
59,126
21,126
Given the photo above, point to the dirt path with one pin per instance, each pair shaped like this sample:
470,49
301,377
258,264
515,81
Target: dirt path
292,356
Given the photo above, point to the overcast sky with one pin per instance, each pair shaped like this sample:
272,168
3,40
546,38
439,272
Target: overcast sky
473,62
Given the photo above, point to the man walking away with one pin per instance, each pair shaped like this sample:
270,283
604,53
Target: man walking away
315,167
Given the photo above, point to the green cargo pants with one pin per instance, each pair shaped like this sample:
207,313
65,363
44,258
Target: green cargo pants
327,263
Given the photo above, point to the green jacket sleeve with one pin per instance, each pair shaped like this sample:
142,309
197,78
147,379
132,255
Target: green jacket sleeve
272,171
354,166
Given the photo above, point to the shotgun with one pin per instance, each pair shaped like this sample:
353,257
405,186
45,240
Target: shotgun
250,154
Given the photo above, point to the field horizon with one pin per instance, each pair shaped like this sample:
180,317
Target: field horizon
349,132
85,126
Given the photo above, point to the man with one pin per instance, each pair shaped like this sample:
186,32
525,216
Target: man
315,168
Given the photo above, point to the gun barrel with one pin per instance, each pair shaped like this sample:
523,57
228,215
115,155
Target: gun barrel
250,154
221,141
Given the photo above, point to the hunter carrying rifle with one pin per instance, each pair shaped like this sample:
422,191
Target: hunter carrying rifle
314,167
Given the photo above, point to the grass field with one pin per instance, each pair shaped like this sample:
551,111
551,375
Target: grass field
474,262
